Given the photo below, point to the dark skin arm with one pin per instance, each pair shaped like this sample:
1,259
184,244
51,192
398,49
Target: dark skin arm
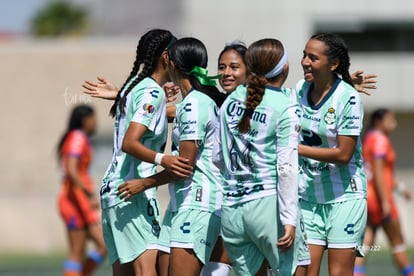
378,165
342,154
132,145
171,112
74,177
188,151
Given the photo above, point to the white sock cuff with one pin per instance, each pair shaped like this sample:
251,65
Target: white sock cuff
399,248
216,269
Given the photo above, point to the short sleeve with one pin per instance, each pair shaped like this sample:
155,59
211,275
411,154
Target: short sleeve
193,118
350,119
146,104
289,127
380,146
75,144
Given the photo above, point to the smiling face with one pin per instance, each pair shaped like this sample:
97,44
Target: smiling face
233,70
315,63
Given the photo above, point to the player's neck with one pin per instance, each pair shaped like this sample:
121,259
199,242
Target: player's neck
321,89
185,86
159,77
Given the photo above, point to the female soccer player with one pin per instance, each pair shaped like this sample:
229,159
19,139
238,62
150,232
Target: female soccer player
333,195
233,70
259,212
78,203
232,66
379,157
131,228
192,221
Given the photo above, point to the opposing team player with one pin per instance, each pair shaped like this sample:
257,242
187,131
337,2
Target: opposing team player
78,203
379,157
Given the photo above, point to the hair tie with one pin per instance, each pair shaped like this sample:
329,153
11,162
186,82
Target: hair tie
278,69
173,39
235,43
201,75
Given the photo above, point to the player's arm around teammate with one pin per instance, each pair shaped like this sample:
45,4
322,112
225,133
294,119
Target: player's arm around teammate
131,228
196,201
331,156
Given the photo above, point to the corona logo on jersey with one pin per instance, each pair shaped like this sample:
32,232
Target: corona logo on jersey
330,116
148,108
235,108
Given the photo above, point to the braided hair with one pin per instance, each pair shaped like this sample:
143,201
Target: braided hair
149,49
261,58
187,53
337,49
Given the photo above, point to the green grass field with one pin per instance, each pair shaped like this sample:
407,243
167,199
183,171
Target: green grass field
379,264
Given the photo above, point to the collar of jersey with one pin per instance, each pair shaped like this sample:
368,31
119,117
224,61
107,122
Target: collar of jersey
327,96
274,88
189,91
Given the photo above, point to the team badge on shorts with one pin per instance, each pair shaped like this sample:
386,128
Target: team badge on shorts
330,116
156,228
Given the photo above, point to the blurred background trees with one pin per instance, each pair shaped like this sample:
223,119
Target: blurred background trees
60,19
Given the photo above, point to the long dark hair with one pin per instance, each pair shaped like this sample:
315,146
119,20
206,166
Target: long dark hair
79,113
337,49
378,115
261,57
187,53
149,49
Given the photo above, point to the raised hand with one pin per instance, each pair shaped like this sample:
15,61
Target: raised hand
171,91
103,89
364,82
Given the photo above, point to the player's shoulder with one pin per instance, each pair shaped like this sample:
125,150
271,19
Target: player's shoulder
76,135
76,139
148,86
199,99
344,89
373,137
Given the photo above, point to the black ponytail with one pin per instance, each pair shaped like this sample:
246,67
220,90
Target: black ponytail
187,53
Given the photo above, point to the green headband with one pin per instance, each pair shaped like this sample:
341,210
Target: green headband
201,75
173,39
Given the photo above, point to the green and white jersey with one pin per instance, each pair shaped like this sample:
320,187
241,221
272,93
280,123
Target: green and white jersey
195,119
145,105
256,163
340,113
